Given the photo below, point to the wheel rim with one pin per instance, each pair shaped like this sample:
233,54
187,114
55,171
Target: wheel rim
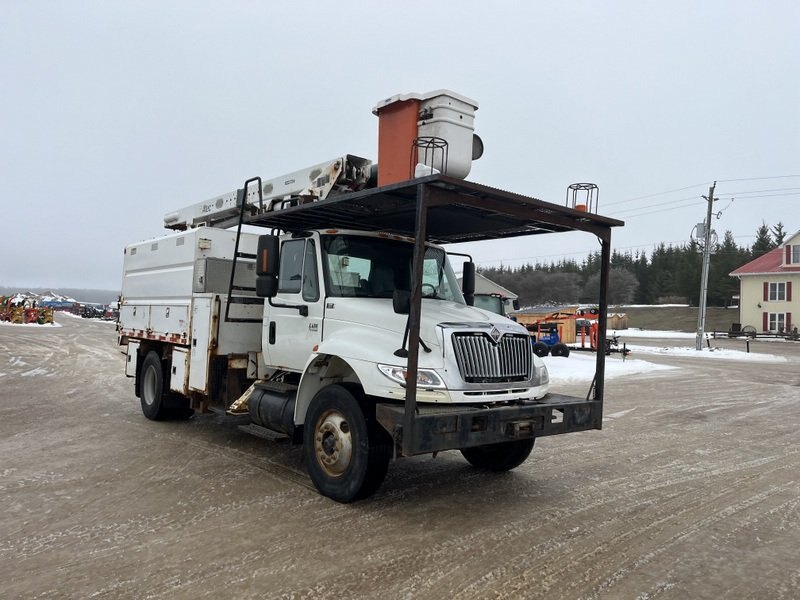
149,386
333,443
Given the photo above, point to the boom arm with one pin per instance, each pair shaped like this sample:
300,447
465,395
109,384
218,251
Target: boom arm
341,175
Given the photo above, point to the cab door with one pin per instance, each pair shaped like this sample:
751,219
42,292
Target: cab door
294,324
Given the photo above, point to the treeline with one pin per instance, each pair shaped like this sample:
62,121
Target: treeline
671,274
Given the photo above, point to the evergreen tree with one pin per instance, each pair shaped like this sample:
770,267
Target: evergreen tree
779,234
622,286
670,274
763,243
727,257
688,269
642,272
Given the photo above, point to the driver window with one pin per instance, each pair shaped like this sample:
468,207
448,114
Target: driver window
299,269
310,279
291,266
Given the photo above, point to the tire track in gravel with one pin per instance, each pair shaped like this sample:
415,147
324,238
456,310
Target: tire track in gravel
488,544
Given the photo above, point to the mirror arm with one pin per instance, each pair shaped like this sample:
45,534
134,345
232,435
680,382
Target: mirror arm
303,308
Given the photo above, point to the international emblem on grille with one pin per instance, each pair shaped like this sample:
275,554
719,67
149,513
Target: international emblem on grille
495,334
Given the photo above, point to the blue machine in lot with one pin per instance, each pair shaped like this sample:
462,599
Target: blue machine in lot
545,340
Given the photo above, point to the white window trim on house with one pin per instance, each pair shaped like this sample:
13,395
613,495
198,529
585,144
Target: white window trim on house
776,322
795,254
777,291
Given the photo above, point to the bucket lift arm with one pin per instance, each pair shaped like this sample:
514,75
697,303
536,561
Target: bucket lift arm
341,175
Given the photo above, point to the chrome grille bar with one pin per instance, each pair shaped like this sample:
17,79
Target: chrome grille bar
481,360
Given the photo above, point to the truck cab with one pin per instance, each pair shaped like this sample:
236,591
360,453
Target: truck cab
336,303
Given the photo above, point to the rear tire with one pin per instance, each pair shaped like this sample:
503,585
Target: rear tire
499,457
541,349
159,404
346,451
560,350
151,387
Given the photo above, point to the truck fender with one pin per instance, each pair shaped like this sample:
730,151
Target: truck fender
325,369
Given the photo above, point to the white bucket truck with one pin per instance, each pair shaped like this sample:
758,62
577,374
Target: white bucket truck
344,328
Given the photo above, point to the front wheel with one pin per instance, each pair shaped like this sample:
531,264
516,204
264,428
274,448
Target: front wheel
346,451
499,457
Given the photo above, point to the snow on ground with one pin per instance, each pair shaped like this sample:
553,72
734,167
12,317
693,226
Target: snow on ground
10,324
622,334
580,366
651,333
718,353
72,316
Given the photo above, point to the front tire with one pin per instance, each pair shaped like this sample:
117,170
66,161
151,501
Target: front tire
560,350
346,451
499,457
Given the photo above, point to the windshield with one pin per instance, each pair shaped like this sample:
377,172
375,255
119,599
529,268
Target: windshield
371,267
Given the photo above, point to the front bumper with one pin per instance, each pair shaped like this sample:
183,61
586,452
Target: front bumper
442,427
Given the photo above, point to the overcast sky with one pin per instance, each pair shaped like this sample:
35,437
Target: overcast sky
114,113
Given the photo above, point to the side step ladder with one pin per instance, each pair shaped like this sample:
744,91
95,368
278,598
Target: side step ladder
241,195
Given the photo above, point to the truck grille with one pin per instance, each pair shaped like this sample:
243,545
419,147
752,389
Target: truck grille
480,360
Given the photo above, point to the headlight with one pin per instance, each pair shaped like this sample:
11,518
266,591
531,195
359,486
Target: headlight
426,378
542,375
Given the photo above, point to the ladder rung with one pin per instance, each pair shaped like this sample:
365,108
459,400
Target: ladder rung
244,300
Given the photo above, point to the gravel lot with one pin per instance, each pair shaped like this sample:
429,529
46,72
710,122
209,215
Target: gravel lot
692,490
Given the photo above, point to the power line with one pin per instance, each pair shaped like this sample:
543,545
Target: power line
757,178
693,203
769,190
763,196
688,187
633,216
658,203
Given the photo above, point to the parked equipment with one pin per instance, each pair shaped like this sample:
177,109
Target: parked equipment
546,340
343,327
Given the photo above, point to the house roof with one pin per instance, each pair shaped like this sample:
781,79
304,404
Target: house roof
769,263
484,285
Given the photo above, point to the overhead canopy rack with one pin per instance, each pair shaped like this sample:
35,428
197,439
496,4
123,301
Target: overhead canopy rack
457,211
444,210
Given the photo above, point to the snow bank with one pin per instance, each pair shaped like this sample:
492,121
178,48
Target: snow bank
580,366
42,326
715,353
650,333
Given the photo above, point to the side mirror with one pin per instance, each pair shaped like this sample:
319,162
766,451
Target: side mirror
468,282
267,264
268,255
266,286
401,302
515,303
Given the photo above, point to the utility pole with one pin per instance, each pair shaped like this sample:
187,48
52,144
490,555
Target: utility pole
701,312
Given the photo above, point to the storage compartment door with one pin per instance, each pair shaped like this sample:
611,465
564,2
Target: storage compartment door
202,320
130,361
178,378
